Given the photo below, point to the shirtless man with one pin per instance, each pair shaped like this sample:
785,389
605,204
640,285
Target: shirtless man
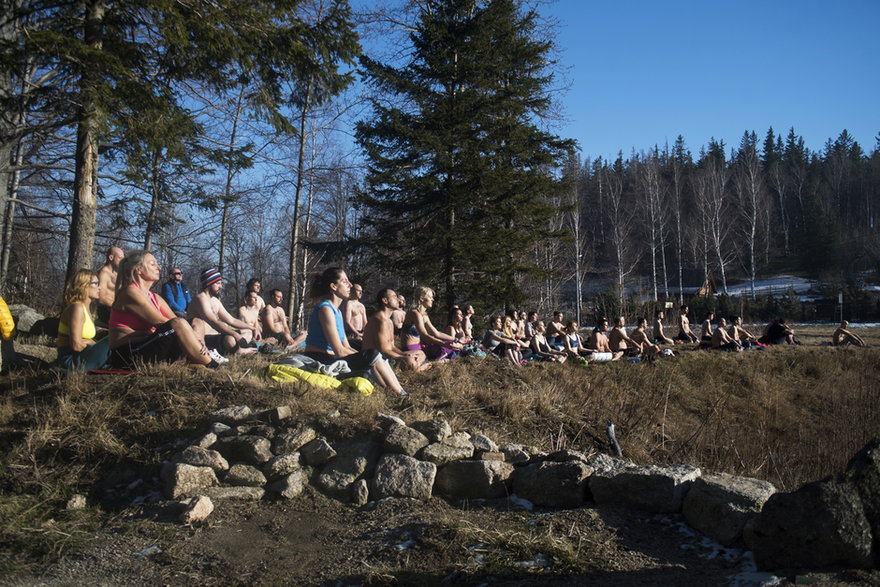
256,286
249,313
599,342
107,284
556,331
399,315
619,340
213,322
275,322
706,327
354,315
721,341
379,334
640,336
740,334
842,336
660,336
684,327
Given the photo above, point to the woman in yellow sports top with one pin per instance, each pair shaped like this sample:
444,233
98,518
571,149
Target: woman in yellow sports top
77,349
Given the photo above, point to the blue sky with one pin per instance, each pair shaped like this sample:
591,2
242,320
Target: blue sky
642,72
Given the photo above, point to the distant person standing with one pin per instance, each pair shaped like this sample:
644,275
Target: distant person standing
107,284
175,292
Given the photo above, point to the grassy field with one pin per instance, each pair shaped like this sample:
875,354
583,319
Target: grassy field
785,414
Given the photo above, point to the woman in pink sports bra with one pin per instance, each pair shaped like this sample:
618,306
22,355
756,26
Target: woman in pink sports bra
142,325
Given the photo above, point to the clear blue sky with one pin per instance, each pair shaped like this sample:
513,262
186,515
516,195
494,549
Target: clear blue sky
643,72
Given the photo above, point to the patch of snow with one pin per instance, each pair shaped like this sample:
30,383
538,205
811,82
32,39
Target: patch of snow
147,552
521,502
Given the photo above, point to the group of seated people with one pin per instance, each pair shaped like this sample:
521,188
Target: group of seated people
143,327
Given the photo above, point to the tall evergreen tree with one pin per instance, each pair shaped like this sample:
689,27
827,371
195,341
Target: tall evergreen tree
461,178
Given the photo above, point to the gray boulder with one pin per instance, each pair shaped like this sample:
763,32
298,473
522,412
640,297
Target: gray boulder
386,421
245,475
196,510
404,440
292,439
281,466
232,415
441,453
473,479
551,484
202,457
180,480
317,452
24,317
436,429
515,453
338,476
242,493
251,450
863,473
220,429
360,493
483,444
821,525
291,485
206,441
719,505
403,476
654,489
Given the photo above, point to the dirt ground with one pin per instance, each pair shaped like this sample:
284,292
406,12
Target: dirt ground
315,540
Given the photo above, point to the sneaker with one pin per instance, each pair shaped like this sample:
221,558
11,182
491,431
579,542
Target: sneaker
218,357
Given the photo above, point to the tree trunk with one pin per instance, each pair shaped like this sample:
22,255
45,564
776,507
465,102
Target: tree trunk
85,179
294,232
227,188
153,215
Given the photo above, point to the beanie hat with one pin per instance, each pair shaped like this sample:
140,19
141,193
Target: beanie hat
209,276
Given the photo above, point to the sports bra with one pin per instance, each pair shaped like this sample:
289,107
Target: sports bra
123,319
88,328
315,336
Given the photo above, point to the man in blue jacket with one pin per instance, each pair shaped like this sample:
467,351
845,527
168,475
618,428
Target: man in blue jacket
176,293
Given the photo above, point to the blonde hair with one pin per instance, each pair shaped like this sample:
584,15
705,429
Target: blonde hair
129,267
418,294
76,289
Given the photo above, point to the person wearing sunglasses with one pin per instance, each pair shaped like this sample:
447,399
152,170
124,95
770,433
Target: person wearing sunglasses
175,292
77,349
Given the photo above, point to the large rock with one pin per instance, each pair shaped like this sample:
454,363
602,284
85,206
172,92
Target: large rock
290,486
483,443
441,453
317,452
403,476
245,475
24,317
863,473
473,479
292,439
404,440
436,429
232,415
719,505
340,473
251,450
196,510
555,485
202,457
281,466
515,453
181,480
654,489
821,525
240,493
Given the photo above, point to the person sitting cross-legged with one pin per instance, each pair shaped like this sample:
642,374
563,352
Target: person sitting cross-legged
379,334
721,341
142,326
77,348
211,321
326,341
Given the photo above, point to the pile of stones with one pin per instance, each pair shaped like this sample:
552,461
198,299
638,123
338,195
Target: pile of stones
244,455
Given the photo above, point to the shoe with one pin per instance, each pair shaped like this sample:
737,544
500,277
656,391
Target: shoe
218,357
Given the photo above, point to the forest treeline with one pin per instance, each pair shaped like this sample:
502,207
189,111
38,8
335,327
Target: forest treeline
218,133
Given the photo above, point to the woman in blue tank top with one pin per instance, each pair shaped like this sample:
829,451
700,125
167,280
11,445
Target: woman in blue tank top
326,341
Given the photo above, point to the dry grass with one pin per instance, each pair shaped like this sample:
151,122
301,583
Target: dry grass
788,415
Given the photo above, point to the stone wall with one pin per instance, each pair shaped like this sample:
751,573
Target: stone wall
244,455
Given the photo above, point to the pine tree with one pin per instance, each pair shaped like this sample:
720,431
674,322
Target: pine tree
461,176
